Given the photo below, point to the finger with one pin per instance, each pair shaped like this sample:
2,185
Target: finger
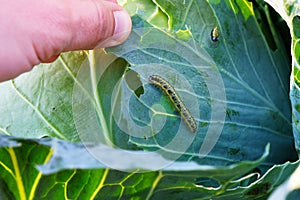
105,24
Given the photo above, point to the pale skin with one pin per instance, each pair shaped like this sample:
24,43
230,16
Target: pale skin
37,31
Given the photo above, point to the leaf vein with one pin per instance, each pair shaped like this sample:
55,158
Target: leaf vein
40,114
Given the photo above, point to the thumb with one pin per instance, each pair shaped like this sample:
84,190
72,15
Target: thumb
98,24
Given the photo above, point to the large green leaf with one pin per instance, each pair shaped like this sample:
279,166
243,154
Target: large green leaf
85,178
235,88
254,79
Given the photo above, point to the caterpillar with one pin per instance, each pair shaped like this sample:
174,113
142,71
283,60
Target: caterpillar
175,99
214,34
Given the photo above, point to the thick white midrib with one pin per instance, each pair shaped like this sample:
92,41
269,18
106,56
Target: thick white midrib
94,81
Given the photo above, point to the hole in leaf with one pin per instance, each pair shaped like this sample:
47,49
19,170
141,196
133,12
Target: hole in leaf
134,82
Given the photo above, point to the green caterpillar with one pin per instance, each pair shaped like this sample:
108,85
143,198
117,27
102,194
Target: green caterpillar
173,96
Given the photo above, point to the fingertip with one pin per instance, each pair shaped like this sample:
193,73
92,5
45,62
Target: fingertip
106,24
122,29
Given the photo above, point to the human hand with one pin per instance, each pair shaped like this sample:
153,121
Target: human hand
34,31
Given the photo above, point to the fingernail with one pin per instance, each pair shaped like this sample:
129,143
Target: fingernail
122,24
121,32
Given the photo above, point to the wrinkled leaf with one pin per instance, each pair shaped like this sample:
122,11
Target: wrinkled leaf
84,179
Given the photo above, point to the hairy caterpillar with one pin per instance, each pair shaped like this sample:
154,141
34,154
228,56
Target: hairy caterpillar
214,34
179,105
